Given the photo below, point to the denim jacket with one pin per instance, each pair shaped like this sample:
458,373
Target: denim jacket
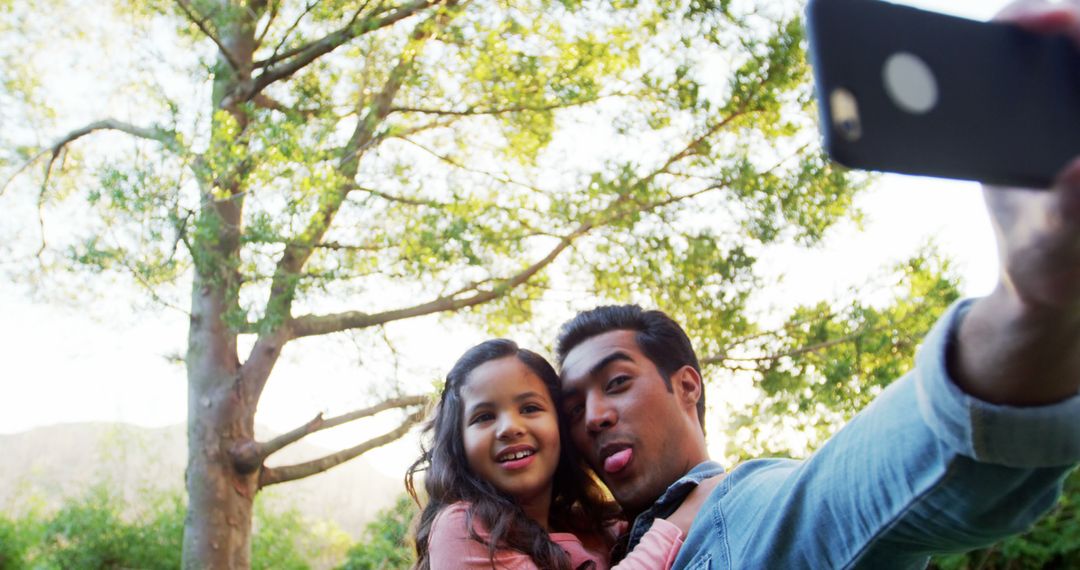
924,469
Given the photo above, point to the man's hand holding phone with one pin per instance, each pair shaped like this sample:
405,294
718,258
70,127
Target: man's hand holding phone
1021,344
916,92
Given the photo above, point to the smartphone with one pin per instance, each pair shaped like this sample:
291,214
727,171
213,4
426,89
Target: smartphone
906,90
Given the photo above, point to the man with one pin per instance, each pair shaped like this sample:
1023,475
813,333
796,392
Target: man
968,448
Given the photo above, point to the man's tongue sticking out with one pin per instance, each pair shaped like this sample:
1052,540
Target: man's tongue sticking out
618,460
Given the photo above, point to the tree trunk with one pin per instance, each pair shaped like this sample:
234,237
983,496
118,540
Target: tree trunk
217,530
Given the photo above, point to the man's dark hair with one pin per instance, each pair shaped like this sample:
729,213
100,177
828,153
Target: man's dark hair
658,337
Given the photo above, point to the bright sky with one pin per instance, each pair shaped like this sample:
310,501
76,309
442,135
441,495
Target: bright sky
65,363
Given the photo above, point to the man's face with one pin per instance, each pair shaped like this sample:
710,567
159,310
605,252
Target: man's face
631,430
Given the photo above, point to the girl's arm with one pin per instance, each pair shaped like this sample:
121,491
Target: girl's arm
660,545
657,549
450,547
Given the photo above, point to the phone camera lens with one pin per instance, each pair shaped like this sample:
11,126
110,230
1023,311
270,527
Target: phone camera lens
850,128
845,114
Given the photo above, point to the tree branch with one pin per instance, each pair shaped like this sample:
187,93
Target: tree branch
407,132
494,176
859,333
185,6
255,371
267,102
693,147
476,112
56,149
333,245
160,135
274,475
717,184
277,56
285,37
269,22
293,259
722,358
304,55
296,255
318,423
401,199
250,455
311,325
151,291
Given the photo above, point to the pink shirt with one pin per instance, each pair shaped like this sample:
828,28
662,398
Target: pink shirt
451,548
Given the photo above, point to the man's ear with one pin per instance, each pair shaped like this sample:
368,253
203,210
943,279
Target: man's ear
686,383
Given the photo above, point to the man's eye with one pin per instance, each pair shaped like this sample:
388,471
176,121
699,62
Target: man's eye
617,382
574,412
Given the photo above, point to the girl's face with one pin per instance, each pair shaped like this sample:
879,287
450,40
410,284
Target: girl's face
511,430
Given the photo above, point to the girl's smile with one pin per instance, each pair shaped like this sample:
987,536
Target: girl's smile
516,457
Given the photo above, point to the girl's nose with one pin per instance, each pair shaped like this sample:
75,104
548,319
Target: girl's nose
510,427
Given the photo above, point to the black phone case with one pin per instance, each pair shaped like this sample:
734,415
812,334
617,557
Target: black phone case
1008,106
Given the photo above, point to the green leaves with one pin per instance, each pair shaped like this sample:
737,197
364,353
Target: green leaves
828,360
426,154
386,544
1054,541
100,529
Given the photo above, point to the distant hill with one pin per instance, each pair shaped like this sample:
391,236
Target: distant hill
48,464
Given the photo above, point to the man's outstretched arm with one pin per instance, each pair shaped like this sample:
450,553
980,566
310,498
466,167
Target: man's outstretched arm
971,447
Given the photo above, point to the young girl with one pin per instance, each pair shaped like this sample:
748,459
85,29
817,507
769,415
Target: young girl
504,488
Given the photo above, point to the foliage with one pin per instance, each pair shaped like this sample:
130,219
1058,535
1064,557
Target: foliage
828,360
17,538
464,178
285,539
1054,541
386,543
100,530
91,532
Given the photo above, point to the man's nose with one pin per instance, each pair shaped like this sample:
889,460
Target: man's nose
510,427
599,415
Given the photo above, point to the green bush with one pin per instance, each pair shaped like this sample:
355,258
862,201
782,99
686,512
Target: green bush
17,536
386,544
92,532
1054,542
100,530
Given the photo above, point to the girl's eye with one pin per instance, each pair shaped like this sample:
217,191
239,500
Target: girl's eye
531,408
484,417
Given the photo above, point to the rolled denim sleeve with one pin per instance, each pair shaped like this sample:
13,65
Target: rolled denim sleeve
988,433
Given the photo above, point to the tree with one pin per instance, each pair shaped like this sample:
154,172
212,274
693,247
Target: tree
347,164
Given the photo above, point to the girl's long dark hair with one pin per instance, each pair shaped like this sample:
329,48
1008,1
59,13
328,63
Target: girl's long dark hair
578,503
